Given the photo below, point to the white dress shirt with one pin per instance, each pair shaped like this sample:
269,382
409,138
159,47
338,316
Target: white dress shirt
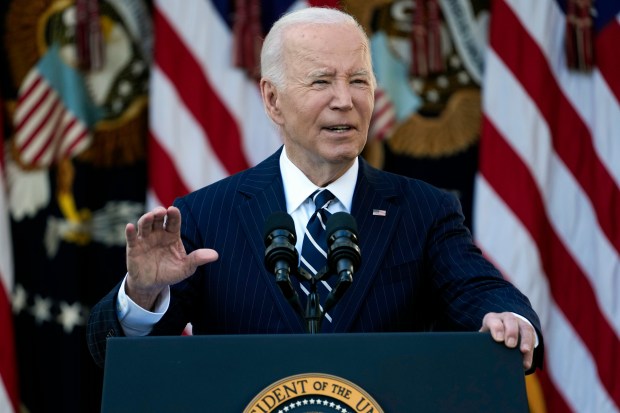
298,188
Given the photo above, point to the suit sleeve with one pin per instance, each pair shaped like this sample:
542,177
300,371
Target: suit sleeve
469,286
102,324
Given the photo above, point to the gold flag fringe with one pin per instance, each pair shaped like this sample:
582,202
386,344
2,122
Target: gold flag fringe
120,141
363,10
453,131
25,32
374,154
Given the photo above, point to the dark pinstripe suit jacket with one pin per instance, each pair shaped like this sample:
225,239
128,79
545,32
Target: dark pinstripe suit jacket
419,272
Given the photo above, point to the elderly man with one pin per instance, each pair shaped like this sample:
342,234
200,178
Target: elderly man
201,260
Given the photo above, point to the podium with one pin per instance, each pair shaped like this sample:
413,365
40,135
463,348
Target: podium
356,372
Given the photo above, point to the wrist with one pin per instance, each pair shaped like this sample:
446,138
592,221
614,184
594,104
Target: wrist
145,298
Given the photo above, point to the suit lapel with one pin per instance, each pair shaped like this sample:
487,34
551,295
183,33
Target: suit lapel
265,195
377,215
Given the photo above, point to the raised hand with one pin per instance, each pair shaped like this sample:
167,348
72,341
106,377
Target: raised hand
156,256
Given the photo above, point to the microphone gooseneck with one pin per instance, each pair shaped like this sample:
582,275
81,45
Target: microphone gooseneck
281,255
281,259
344,255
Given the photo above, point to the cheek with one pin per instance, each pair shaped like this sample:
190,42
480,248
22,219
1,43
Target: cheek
307,115
371,102
295,108
365,102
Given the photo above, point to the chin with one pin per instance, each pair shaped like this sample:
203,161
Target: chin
342,156
341,151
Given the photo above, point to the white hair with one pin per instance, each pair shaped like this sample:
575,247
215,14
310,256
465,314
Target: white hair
272,67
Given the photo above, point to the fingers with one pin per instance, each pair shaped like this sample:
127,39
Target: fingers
493,324
158,219
150,221
510,329
528,359
503,327
528,341
173,220
131,234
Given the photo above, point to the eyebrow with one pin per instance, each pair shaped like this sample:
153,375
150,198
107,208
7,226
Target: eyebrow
320,73
330,73
361,72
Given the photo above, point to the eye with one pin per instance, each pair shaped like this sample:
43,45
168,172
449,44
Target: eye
359,81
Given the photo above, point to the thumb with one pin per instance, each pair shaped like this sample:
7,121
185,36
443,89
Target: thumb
202,256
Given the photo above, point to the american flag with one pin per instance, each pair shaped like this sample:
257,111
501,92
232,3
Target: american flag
8,376
383,117
206,116
547,208
48,126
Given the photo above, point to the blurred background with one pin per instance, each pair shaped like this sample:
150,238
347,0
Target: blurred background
110,107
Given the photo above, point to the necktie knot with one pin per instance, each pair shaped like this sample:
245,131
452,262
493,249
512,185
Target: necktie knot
322,198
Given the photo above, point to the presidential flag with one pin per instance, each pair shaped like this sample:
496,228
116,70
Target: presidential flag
76,172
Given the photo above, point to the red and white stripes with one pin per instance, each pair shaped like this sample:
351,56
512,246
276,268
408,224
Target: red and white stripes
45,130
207,118
8,368
383,118
548,195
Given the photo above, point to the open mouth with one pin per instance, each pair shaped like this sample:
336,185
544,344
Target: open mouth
339,128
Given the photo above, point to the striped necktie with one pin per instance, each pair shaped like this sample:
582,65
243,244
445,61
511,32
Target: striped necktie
314,247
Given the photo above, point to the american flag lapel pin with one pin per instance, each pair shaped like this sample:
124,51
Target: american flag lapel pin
379,212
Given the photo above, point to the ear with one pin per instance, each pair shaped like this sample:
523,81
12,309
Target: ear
271,101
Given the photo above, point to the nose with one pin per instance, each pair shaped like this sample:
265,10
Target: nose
341,99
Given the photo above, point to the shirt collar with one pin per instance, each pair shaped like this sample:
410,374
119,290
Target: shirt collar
297,186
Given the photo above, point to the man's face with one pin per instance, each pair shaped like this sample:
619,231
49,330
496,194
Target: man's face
324,109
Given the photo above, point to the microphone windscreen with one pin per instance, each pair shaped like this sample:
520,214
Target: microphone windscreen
278,220
341,220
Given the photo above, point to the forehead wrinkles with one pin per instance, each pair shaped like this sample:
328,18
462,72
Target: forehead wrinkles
313,47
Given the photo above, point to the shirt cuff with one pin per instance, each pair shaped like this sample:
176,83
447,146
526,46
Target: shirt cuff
528,321
135,320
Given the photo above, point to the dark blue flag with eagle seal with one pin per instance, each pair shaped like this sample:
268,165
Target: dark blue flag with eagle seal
76,90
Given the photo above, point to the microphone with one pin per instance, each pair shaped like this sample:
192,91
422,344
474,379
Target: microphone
343,253
281,254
